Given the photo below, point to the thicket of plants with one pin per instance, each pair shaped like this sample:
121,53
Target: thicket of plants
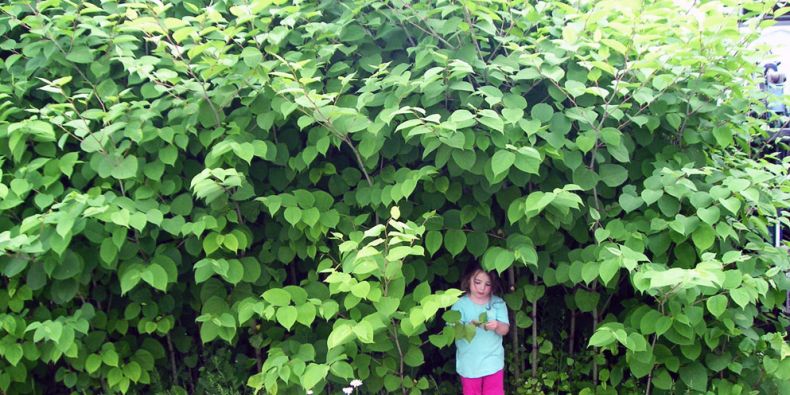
231,196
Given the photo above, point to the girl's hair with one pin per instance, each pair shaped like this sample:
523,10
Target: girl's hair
472,269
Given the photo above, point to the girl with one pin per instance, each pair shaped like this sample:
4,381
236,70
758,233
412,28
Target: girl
481,362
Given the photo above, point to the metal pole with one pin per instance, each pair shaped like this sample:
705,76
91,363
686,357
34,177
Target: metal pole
784,133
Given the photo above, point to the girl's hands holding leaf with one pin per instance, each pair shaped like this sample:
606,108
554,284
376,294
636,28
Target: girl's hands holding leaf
491,325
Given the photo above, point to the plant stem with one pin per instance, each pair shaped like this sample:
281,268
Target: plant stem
595,326
534,356
514,337
572,336
173,369
650,375
400,354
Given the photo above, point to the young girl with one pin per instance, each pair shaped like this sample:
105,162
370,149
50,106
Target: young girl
481,362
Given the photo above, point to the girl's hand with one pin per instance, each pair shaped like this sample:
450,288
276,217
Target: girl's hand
492,325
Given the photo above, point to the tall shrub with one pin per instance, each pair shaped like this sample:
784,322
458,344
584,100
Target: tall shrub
296,186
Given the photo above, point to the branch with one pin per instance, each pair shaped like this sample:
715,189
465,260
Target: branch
326,121
429,32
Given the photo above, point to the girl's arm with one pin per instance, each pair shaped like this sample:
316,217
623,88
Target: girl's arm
503,326
499,327
502,329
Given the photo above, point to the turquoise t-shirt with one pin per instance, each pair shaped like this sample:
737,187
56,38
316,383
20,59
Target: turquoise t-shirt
484,355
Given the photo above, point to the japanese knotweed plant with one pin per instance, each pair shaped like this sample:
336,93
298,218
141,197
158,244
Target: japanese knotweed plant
182,177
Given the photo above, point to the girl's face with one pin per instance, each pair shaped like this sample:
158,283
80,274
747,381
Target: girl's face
480,285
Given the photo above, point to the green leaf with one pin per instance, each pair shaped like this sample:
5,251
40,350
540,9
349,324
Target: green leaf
716,305
133,371
613,175
477,243
129,280
251,56
310,216
586,141
695,376
501,161
704,237
80,54
723,136
740,296
553,72
586,301
494,257
575,88
537,201
414,357
528,160
13,353
340,335
542,112
454,241
611,136
513,115
513,100
717,362
313,374
608,269
44,132
362,289
433,240
534,292
277,297
286,316
182,205
364,332
126,168
663,324
110,357
661,82
601,338
230,242
342,369
155,276
732,204
630,202
293,215
651,196
462,119
493,121
168,154
306,314
93,363
590,271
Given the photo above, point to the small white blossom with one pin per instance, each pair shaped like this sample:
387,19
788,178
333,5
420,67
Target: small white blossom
309,392
356,383
348,390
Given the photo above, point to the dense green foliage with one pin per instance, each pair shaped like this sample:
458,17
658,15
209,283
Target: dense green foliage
234,195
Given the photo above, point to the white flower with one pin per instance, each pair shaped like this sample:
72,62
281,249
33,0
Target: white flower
356,383
309,392
348,390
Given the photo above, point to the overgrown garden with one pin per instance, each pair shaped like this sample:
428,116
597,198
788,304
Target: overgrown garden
237,196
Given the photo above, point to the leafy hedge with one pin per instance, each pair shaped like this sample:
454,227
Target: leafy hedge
290,191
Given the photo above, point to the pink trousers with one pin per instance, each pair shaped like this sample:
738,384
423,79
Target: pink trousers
493,384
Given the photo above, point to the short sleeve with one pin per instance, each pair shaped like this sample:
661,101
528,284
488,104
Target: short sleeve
501,311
